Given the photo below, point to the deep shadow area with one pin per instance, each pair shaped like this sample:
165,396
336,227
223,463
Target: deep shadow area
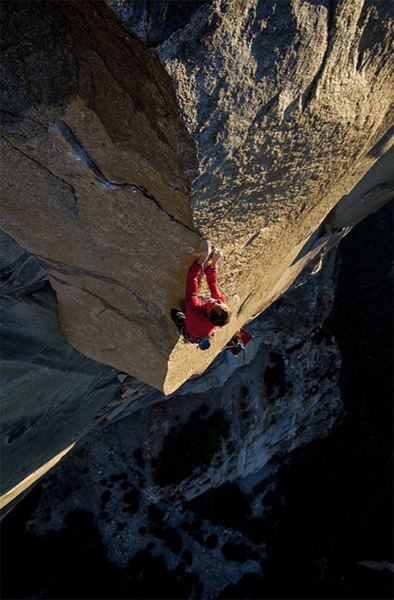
328,522
67,560
191,447
333,499
73,563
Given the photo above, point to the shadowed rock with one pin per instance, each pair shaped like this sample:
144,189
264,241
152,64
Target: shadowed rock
246,123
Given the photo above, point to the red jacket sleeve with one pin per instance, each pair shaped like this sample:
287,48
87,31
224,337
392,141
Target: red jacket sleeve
191,296
197,322
211,276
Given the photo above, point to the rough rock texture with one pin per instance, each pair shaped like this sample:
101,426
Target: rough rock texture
94,182
319,526
285,396
53,397
245,122
50,394
161,457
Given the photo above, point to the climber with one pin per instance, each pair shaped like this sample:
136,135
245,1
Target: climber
198,324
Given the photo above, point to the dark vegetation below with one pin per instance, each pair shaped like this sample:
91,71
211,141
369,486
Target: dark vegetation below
331,509
191,447
333,499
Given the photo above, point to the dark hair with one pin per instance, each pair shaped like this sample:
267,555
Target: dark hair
220,315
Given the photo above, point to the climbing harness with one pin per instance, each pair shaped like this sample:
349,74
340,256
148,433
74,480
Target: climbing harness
203,343
179,319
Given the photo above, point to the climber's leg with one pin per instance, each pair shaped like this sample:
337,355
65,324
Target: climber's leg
179,319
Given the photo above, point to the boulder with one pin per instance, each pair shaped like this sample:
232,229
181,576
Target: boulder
128,137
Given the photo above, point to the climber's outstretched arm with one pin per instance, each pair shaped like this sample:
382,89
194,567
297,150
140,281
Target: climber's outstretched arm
194,275
211,275
192,279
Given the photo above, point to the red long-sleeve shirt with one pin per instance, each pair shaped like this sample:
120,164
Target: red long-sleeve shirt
197,322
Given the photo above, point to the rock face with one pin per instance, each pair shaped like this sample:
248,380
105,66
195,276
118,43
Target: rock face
125,142
49,393
284,392
163,455
95,157
331,501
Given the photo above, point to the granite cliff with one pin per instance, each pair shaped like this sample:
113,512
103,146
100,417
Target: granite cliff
279,393
129,136
117,517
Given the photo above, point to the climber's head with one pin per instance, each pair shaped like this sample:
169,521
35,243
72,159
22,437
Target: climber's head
218,313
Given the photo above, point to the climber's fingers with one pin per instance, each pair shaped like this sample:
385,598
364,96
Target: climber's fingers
217,256
206,248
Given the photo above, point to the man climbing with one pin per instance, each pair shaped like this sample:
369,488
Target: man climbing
202,317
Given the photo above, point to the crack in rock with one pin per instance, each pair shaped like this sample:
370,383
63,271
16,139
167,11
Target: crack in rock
82,153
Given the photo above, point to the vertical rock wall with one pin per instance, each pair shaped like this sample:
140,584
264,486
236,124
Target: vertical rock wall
94,179
244,122
50,393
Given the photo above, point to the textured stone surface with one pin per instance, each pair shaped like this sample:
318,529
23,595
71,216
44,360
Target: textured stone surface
94,181
319,526
162,455
289,104
245,122
53,397
50,394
